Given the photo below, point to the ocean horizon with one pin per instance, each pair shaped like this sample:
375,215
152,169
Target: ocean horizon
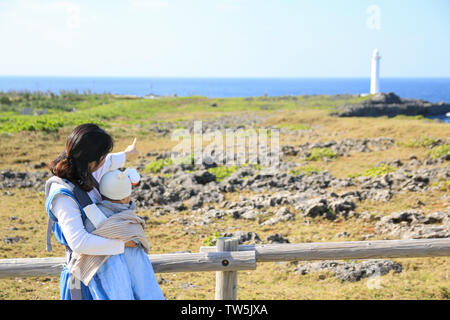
429,89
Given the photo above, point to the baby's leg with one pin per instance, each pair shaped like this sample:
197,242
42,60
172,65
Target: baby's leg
112,281
143,279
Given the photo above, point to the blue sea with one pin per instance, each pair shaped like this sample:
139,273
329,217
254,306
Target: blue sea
430,89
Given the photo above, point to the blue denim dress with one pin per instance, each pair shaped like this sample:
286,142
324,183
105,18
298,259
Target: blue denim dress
126,276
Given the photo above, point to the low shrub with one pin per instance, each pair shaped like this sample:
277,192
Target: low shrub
308,170
374,172
320,153
439,151
222,172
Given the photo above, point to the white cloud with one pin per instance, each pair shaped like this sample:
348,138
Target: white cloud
150,4
42,17
229,5
34,27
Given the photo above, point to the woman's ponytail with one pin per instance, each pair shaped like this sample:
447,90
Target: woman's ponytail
62,167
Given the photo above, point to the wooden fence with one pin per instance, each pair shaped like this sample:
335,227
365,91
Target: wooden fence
228,257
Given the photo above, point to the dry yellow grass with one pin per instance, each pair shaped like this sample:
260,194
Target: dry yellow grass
422,278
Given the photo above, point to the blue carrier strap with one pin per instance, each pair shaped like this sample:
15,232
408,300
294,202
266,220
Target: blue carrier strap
75,285
80,197
53,221
77,289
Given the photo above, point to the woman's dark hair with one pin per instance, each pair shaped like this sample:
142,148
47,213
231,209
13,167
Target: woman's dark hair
87,143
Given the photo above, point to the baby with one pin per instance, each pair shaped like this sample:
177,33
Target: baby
129,274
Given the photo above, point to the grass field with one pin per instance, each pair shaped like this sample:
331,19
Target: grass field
26,140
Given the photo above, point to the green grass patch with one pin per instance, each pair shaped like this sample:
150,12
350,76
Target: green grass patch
442,185
157,165
308,170
320,153
294,126
99,108
211,240
222,172
45,123
189,160
439,151
374,172
422,142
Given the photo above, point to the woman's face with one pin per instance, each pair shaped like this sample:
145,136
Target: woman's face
94,165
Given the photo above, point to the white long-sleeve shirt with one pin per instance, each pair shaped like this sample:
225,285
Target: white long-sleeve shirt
68,214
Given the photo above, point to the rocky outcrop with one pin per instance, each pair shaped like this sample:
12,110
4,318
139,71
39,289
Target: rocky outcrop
181,191
341,148
390,105
277,238
244,237
32,179
307,195
280,195
412,224
351,271
282,214
207,126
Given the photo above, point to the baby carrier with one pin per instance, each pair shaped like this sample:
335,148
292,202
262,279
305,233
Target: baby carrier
71,287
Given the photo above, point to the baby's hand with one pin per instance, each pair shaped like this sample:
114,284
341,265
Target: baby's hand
131,244
133,175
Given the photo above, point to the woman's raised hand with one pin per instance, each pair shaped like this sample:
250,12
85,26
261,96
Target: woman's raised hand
131,150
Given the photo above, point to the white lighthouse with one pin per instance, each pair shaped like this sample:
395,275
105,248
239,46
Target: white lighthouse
375,74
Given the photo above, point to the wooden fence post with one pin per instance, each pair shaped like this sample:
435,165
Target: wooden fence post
226,281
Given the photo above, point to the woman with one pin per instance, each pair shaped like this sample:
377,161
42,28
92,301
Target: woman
85,159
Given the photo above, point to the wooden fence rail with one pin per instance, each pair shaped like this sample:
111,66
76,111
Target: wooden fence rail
347,250
170,262
227,263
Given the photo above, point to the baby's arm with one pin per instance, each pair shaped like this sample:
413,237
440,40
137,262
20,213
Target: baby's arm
78,239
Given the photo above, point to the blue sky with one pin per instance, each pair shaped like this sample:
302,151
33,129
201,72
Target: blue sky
224,38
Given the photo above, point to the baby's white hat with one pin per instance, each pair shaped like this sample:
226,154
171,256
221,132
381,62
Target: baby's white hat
116,184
